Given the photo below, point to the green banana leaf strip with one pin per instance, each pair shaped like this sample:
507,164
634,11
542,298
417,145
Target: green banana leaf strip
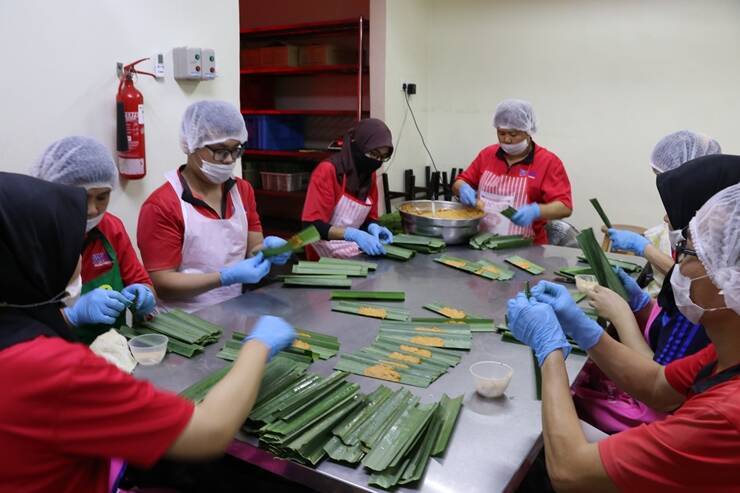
525,265
263,413
628,267
398,253
399,437
369,295
350,263
599,263
197,392
371,310
318,282
449,311
509,212
504,243
452,358
359,363
318,268
338,451
370,437
416,365
475,324
478,241
388,478
349,429
420,455
459,329
497,271
407,239
392,221
447,341
449,411
295,243
600,211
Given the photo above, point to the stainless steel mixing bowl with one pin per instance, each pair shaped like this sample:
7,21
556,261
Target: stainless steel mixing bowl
452,231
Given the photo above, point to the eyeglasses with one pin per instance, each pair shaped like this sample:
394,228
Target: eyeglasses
682,252
221,155
378,157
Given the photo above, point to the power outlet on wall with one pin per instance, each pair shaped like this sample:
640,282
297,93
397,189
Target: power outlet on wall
409,88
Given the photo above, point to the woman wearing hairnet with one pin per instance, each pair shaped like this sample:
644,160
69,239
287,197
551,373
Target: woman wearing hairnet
694,449
112,277
199,234
656,244
517,173
342,197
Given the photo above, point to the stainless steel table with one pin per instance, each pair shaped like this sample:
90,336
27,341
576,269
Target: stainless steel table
495,439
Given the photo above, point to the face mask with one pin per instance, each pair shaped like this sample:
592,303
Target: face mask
365,165
73,290
515,149
682,293
91,223
217,173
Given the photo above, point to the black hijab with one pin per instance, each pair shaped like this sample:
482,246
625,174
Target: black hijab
42,227
685,189
351,162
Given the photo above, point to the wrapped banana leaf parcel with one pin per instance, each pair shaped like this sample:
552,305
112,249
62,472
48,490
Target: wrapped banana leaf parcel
421,244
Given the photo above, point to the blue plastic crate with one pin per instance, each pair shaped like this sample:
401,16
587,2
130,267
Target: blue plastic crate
276,132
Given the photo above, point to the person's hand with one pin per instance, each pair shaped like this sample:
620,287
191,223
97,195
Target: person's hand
536,325
576,324
381,233
628,241
367,242
145,301
273,332
275,242
468,195
638,298
608,304
99,306
526,215
249,271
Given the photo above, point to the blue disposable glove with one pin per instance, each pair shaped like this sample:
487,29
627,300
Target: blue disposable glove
367,242
381,233
638,298
273,332
627,241
145,301
467,195
99,306
249,271
526,215
536,325
274,242
576,324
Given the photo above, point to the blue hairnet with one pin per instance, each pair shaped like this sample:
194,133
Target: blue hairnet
515,114
677,148
77,161
210,122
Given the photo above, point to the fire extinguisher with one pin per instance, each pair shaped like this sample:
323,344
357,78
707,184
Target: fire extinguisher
130,125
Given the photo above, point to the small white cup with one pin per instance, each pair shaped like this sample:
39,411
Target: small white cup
148,349
491,377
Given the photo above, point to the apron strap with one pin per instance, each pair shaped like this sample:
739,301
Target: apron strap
705,380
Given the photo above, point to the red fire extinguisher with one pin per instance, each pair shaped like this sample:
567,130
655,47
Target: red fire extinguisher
130,125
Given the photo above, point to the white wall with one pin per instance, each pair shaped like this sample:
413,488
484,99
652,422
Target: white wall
607,80
63,81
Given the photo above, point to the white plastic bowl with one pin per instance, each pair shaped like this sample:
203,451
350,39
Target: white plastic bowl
148,349
491,377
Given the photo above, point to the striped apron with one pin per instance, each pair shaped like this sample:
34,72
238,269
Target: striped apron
348,213
497,192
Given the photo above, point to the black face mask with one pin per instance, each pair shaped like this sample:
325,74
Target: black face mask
365,165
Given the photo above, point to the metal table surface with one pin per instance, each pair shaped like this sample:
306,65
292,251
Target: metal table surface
494,441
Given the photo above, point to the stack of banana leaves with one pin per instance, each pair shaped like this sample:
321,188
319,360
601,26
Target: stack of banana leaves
187,334
392,221
490,241
483,268
421,244
448,336
371,310
327,273
399,360
312,345
396,252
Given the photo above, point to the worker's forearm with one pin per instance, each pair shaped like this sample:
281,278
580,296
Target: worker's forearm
659,260
217,419
573,464
336,233
630,334
642,316
254,242
635,373
554,210
173,285
456,186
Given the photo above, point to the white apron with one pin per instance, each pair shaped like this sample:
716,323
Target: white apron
208,246
348,213
497,192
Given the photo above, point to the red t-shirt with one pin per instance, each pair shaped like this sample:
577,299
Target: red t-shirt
161,226
65,412
324,192
695,449
96,261
547,180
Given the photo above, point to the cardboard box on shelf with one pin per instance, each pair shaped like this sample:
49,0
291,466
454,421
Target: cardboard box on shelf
279,56
325,54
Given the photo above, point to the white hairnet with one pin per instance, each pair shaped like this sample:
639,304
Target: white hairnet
515,114
679,147
77,161
210,122
715,232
